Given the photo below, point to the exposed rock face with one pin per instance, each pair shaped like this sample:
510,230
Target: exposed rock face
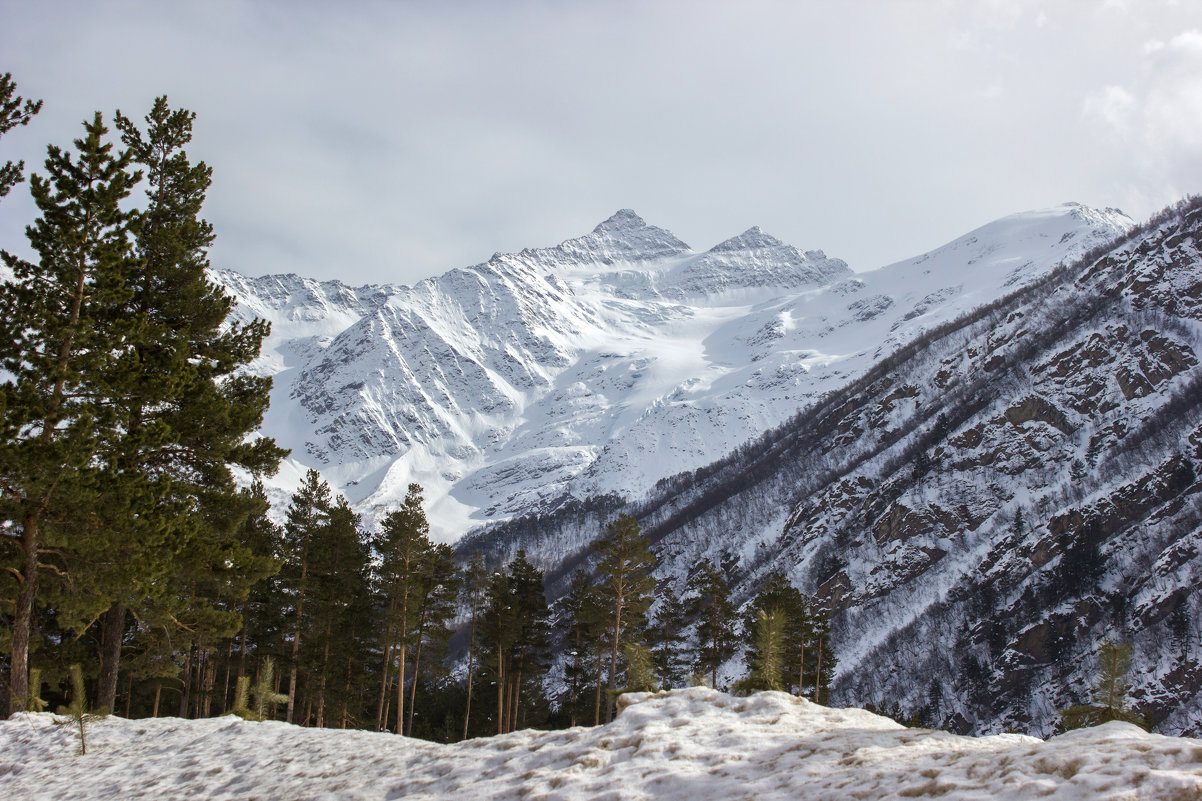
987,503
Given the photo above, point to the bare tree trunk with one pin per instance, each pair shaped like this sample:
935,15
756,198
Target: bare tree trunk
209,682
18,682
321,687
597,697
187,683
346,694
400,676
818,673
400,688
471,656
801,673
296,637
158,692
381,718
112,633
500,691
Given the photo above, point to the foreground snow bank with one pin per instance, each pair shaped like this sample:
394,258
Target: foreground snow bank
686,744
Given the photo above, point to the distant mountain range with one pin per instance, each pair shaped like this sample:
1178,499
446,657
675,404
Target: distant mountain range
603,364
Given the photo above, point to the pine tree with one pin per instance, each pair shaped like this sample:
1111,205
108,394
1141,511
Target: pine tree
57,352
308,513
338,594
185,408
124,409
473,588
402,543
640,672
14,111
626,588
708,605
514,636
263,692
436,606
263,611
583,626
77,711
666,636
766,663
805,635
1110,691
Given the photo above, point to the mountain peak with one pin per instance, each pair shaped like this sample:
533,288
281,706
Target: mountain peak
622,220
753,238
624,237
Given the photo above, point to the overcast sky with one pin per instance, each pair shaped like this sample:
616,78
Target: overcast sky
391,141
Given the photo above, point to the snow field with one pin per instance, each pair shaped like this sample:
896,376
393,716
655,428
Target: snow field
685,744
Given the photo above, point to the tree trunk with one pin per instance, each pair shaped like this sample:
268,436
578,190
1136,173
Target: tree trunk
158,692
517,699
381,719
400,687
113,632
613,657
467,711
417,660
597,697
321,687
187,683
225,681
296,637
500,691
471,655
346,693
801,673
18,682
208,681
818,674
400,676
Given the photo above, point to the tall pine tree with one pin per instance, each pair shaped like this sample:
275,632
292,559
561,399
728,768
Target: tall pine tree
402,543
626,588
708,606
56,352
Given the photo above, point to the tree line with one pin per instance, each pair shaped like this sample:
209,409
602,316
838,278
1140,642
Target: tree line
386,631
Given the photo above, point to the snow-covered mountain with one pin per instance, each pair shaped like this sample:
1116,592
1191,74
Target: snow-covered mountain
604,364
981,507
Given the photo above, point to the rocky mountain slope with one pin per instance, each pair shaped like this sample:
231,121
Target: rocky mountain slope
603,365
983,505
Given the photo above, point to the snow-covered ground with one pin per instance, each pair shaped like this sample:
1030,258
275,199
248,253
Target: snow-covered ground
687,744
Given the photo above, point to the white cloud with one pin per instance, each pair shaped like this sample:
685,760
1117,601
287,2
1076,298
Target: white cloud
1112,106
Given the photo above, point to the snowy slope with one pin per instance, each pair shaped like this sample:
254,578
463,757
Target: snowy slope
603,364
687,744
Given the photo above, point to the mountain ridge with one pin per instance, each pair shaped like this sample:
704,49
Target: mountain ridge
544,375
